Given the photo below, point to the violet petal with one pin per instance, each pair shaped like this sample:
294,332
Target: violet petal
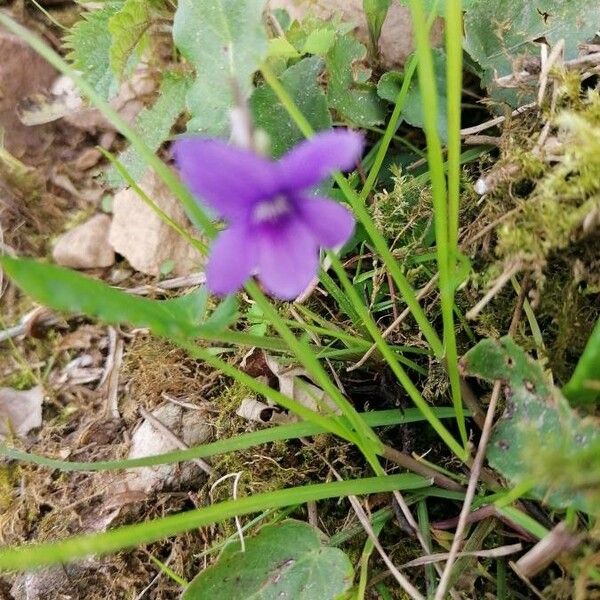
288,258
233,257
329,221
311,161
229,179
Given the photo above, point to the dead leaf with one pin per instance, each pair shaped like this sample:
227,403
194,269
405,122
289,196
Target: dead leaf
20,411
252,409
294,383
16,82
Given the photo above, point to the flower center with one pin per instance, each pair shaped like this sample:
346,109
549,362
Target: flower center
271,210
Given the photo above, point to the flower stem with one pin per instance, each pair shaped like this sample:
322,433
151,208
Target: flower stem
363,216
392,126
429,96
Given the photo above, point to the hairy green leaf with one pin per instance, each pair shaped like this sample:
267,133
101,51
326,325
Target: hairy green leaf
348,93
389,86
154,124
501,33
301,82
319,41
537,424
89,43
283,560
225,41
128,28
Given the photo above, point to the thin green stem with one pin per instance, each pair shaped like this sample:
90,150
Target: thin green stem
366,439
363,216
453,28
364,562
162,215
350,340
379,418
392,125
393,363
429,94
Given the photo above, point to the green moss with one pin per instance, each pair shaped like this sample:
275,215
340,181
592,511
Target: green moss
404,213
555,214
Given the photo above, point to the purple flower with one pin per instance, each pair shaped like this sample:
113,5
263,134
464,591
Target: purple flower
276,223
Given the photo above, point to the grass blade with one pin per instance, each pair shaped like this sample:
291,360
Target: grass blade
37,555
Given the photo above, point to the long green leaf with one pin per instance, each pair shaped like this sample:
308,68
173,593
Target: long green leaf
68,291
36,555
446,256
241,442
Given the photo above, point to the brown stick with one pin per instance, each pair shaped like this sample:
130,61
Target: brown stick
408,462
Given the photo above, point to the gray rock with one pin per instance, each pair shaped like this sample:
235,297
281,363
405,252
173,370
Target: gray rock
86,246
139,234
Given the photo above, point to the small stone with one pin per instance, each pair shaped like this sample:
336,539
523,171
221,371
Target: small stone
20,411
86,246
148,440
138,233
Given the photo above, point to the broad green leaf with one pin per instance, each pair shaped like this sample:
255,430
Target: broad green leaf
33,555
154,124
584,385
89,43
501,33
283,561
225,41
280,47
390,83
537,424
128,28
302,83
358,103
319,41
375,11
